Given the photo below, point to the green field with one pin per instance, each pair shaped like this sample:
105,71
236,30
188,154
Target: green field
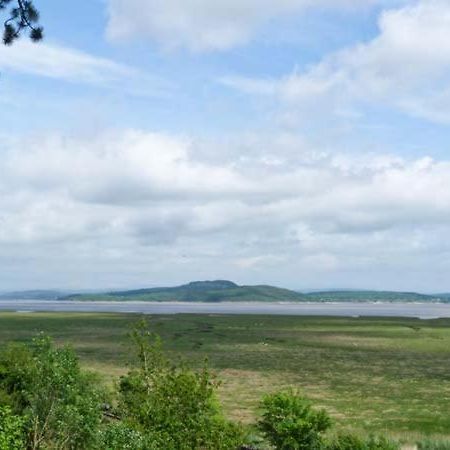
384,375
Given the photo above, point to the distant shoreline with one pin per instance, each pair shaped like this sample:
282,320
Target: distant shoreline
422,310
250,302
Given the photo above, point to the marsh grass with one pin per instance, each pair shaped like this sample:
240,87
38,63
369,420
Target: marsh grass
382,375
432,444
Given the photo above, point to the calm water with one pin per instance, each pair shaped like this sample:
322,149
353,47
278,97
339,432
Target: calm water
421,310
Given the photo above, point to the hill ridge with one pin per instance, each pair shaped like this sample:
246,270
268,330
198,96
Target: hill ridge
221,290
201,291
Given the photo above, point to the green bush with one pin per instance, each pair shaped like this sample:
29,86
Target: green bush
11,430
59,403
353,442
290,423
119,436
173,404
431,444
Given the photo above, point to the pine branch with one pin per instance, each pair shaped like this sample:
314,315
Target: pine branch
22,16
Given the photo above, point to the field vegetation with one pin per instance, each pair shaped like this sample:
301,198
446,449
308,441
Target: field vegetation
387,376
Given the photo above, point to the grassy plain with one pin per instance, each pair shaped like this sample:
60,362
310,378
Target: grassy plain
387,375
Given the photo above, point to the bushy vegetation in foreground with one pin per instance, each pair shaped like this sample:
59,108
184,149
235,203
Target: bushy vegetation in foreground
48,402
11,430
56,404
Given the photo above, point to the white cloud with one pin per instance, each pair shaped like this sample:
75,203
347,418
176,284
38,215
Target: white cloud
131,202
202,25
63,63
119,168
407,66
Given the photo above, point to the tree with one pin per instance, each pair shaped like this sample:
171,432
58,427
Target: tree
290,423
60,404
173,405
22,16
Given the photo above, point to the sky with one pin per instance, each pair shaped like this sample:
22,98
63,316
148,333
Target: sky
299,143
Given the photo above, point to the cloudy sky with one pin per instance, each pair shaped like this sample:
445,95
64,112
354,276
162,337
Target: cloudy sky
301,143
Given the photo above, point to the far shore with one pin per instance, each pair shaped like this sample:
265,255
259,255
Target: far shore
422,310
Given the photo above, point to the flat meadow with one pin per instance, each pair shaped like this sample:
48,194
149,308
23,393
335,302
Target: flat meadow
381,375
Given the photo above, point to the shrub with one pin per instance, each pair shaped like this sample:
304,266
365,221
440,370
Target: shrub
45,385
290,423
173,404
119,436
353,442
11,430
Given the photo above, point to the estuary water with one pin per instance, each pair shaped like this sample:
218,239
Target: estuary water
418,310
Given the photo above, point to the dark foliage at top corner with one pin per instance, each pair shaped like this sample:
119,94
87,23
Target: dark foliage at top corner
22,16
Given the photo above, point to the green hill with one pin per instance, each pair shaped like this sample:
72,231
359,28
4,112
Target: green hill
198,291
227,291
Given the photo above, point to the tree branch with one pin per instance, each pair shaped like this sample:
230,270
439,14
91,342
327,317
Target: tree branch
22,16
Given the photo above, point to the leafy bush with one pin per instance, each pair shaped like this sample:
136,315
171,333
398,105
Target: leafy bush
290,423
353,442
119,436
431,444
44,384
173,404
11,430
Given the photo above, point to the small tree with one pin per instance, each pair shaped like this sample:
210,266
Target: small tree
44,384
173,404
290,423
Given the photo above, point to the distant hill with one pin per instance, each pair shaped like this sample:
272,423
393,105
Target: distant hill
372,296
193,287
199,291
32,295
227,291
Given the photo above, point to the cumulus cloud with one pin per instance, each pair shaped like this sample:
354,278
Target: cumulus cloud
118,168
202,25
136,201
407,66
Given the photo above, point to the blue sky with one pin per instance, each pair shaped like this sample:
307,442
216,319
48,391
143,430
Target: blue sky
293,142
